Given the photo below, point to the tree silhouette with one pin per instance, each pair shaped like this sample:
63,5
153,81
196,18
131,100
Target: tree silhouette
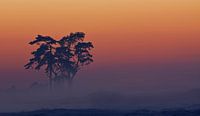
61,59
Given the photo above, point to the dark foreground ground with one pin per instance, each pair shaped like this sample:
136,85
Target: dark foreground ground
64,112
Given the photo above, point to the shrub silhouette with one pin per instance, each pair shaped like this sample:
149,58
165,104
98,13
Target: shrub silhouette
61,59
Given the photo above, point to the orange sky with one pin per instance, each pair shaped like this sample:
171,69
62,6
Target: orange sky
141,46
123,31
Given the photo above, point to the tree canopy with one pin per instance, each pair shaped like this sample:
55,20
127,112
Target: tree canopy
62,58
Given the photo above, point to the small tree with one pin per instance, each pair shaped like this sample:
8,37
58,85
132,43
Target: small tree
61,59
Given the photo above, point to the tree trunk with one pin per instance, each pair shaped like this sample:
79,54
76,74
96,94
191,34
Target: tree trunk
70,80
50,80
50,75
50,84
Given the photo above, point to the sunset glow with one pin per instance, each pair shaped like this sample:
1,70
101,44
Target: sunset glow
124,32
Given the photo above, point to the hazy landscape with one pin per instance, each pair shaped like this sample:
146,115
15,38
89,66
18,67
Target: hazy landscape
93,112
100,58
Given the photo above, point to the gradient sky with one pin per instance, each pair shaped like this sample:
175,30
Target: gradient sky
138,43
